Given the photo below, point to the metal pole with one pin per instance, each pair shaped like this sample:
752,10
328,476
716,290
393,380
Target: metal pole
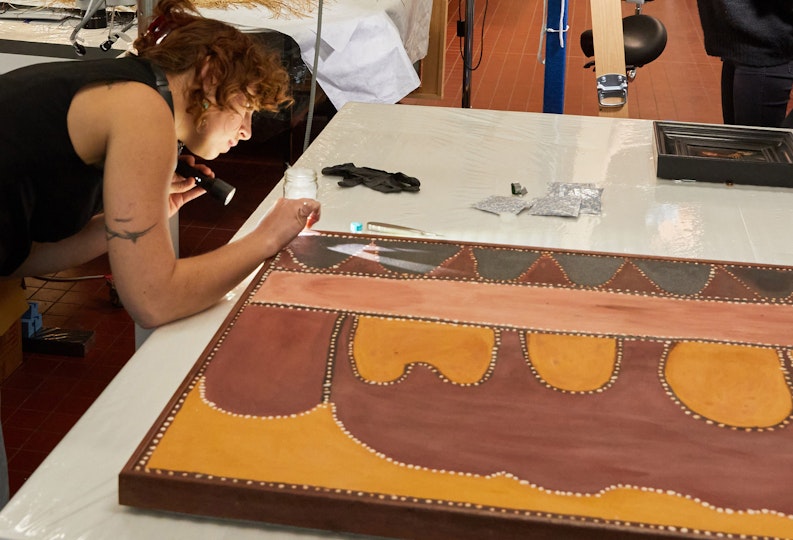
555,57
145,9
468,52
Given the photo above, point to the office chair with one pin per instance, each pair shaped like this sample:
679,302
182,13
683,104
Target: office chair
644,37
96,9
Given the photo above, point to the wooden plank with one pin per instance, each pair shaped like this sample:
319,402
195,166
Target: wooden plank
609,45
431,67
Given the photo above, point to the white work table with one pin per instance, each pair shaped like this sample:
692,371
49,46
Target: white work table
461,157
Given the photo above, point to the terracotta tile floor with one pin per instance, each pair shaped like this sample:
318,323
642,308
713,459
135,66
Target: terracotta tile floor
682,84
46,395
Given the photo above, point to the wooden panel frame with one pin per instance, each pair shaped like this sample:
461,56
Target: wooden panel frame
431,67
330,431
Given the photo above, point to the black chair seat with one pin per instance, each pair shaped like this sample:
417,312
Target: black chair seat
644,37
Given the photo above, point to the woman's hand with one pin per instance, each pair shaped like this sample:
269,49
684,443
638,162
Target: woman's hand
286,219
310,209
183,190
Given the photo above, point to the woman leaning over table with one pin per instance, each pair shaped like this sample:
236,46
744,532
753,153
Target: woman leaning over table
88,151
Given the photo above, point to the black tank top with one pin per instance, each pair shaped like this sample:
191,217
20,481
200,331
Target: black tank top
47,193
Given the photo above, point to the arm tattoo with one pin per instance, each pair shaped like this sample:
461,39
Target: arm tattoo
125,235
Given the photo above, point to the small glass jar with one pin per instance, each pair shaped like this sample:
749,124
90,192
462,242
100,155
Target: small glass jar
300,183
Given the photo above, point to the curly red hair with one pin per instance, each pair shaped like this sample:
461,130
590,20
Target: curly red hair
181,40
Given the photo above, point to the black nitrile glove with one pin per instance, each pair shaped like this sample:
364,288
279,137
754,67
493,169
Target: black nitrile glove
376,179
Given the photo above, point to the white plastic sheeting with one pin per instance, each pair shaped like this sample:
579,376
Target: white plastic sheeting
461,156
368,47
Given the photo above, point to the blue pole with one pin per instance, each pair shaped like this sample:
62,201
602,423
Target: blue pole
555,57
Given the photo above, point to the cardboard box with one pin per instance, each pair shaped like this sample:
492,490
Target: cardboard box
13,305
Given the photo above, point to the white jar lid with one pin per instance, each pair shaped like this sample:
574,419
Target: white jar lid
297,173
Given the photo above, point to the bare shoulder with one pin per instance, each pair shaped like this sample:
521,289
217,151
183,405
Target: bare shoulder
118,110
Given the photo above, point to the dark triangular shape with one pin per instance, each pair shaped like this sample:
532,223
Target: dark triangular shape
725,286
772,283
630,279
503,264
586,269
321,252
406,257
367,262
546,271
676,277
460,266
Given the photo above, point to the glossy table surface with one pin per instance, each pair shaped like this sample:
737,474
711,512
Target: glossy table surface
461,157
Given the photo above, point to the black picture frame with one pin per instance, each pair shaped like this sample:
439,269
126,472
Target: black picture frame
724,154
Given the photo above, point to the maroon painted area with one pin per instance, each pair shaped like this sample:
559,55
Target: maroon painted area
272,362
630,434
630,278
461,265
547,271
725,286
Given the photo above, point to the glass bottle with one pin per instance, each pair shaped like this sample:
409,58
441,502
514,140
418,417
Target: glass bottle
300,183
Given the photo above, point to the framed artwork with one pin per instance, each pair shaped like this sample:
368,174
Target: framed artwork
728,154
422,388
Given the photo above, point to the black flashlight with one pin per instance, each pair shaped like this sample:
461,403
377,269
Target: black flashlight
216,187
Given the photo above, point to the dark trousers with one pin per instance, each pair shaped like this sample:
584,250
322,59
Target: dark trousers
755,96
